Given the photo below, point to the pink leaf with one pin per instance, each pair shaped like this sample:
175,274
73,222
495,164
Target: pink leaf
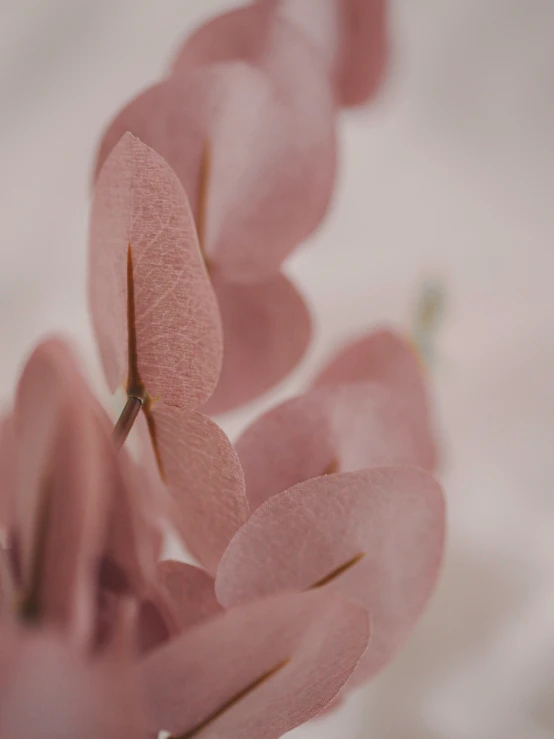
352,36
50,692
67,471
204,479
154,311
7,467
268,177
267,330
258,670
382,356
331,429
190,593
375,536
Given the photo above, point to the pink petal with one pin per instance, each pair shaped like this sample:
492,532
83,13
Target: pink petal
382,356
7,469
385,526
352,35
267,330
269,174
204,479
52,693
330,429
67,471
190,592
278,662
141,211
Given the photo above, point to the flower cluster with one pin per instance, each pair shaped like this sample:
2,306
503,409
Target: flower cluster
318,538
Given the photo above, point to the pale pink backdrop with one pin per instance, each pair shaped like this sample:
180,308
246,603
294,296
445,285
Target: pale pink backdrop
449,176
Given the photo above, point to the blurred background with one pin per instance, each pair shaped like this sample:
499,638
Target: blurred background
449,176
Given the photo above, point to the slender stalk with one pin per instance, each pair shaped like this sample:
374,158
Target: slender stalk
126,420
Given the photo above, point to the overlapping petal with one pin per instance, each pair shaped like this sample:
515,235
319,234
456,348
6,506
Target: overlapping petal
376,536
266,667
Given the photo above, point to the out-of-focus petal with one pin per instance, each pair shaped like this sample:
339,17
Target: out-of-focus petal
67,472
49,691
258,670
382,356
333,429
352,36
153,308
268,180
190,592
7,469
375,536
204,479
267,330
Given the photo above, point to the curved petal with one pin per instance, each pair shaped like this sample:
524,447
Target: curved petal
190,592
375,536
258,670
267,183
8,470
52,693
204,479
67,472
352,35
153,308
267,329
382,356
331,429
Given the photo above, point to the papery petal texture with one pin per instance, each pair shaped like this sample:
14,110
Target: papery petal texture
256,671
268,185
376,536
153,308
204,478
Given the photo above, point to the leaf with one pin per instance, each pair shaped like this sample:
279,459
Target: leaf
352,36
166,342
190,592
256,671
267,328
375,536
53,693
271,175
331,429
66,473
207,501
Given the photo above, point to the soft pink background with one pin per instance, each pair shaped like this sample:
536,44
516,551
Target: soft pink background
451,175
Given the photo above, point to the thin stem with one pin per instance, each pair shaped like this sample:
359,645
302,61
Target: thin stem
126,420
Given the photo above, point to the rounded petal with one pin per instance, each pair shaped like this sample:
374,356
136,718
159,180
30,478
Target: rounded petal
268,181
352,36
204,479
331,429
190,593
258,670
153,308
375,536
382,356
267,329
